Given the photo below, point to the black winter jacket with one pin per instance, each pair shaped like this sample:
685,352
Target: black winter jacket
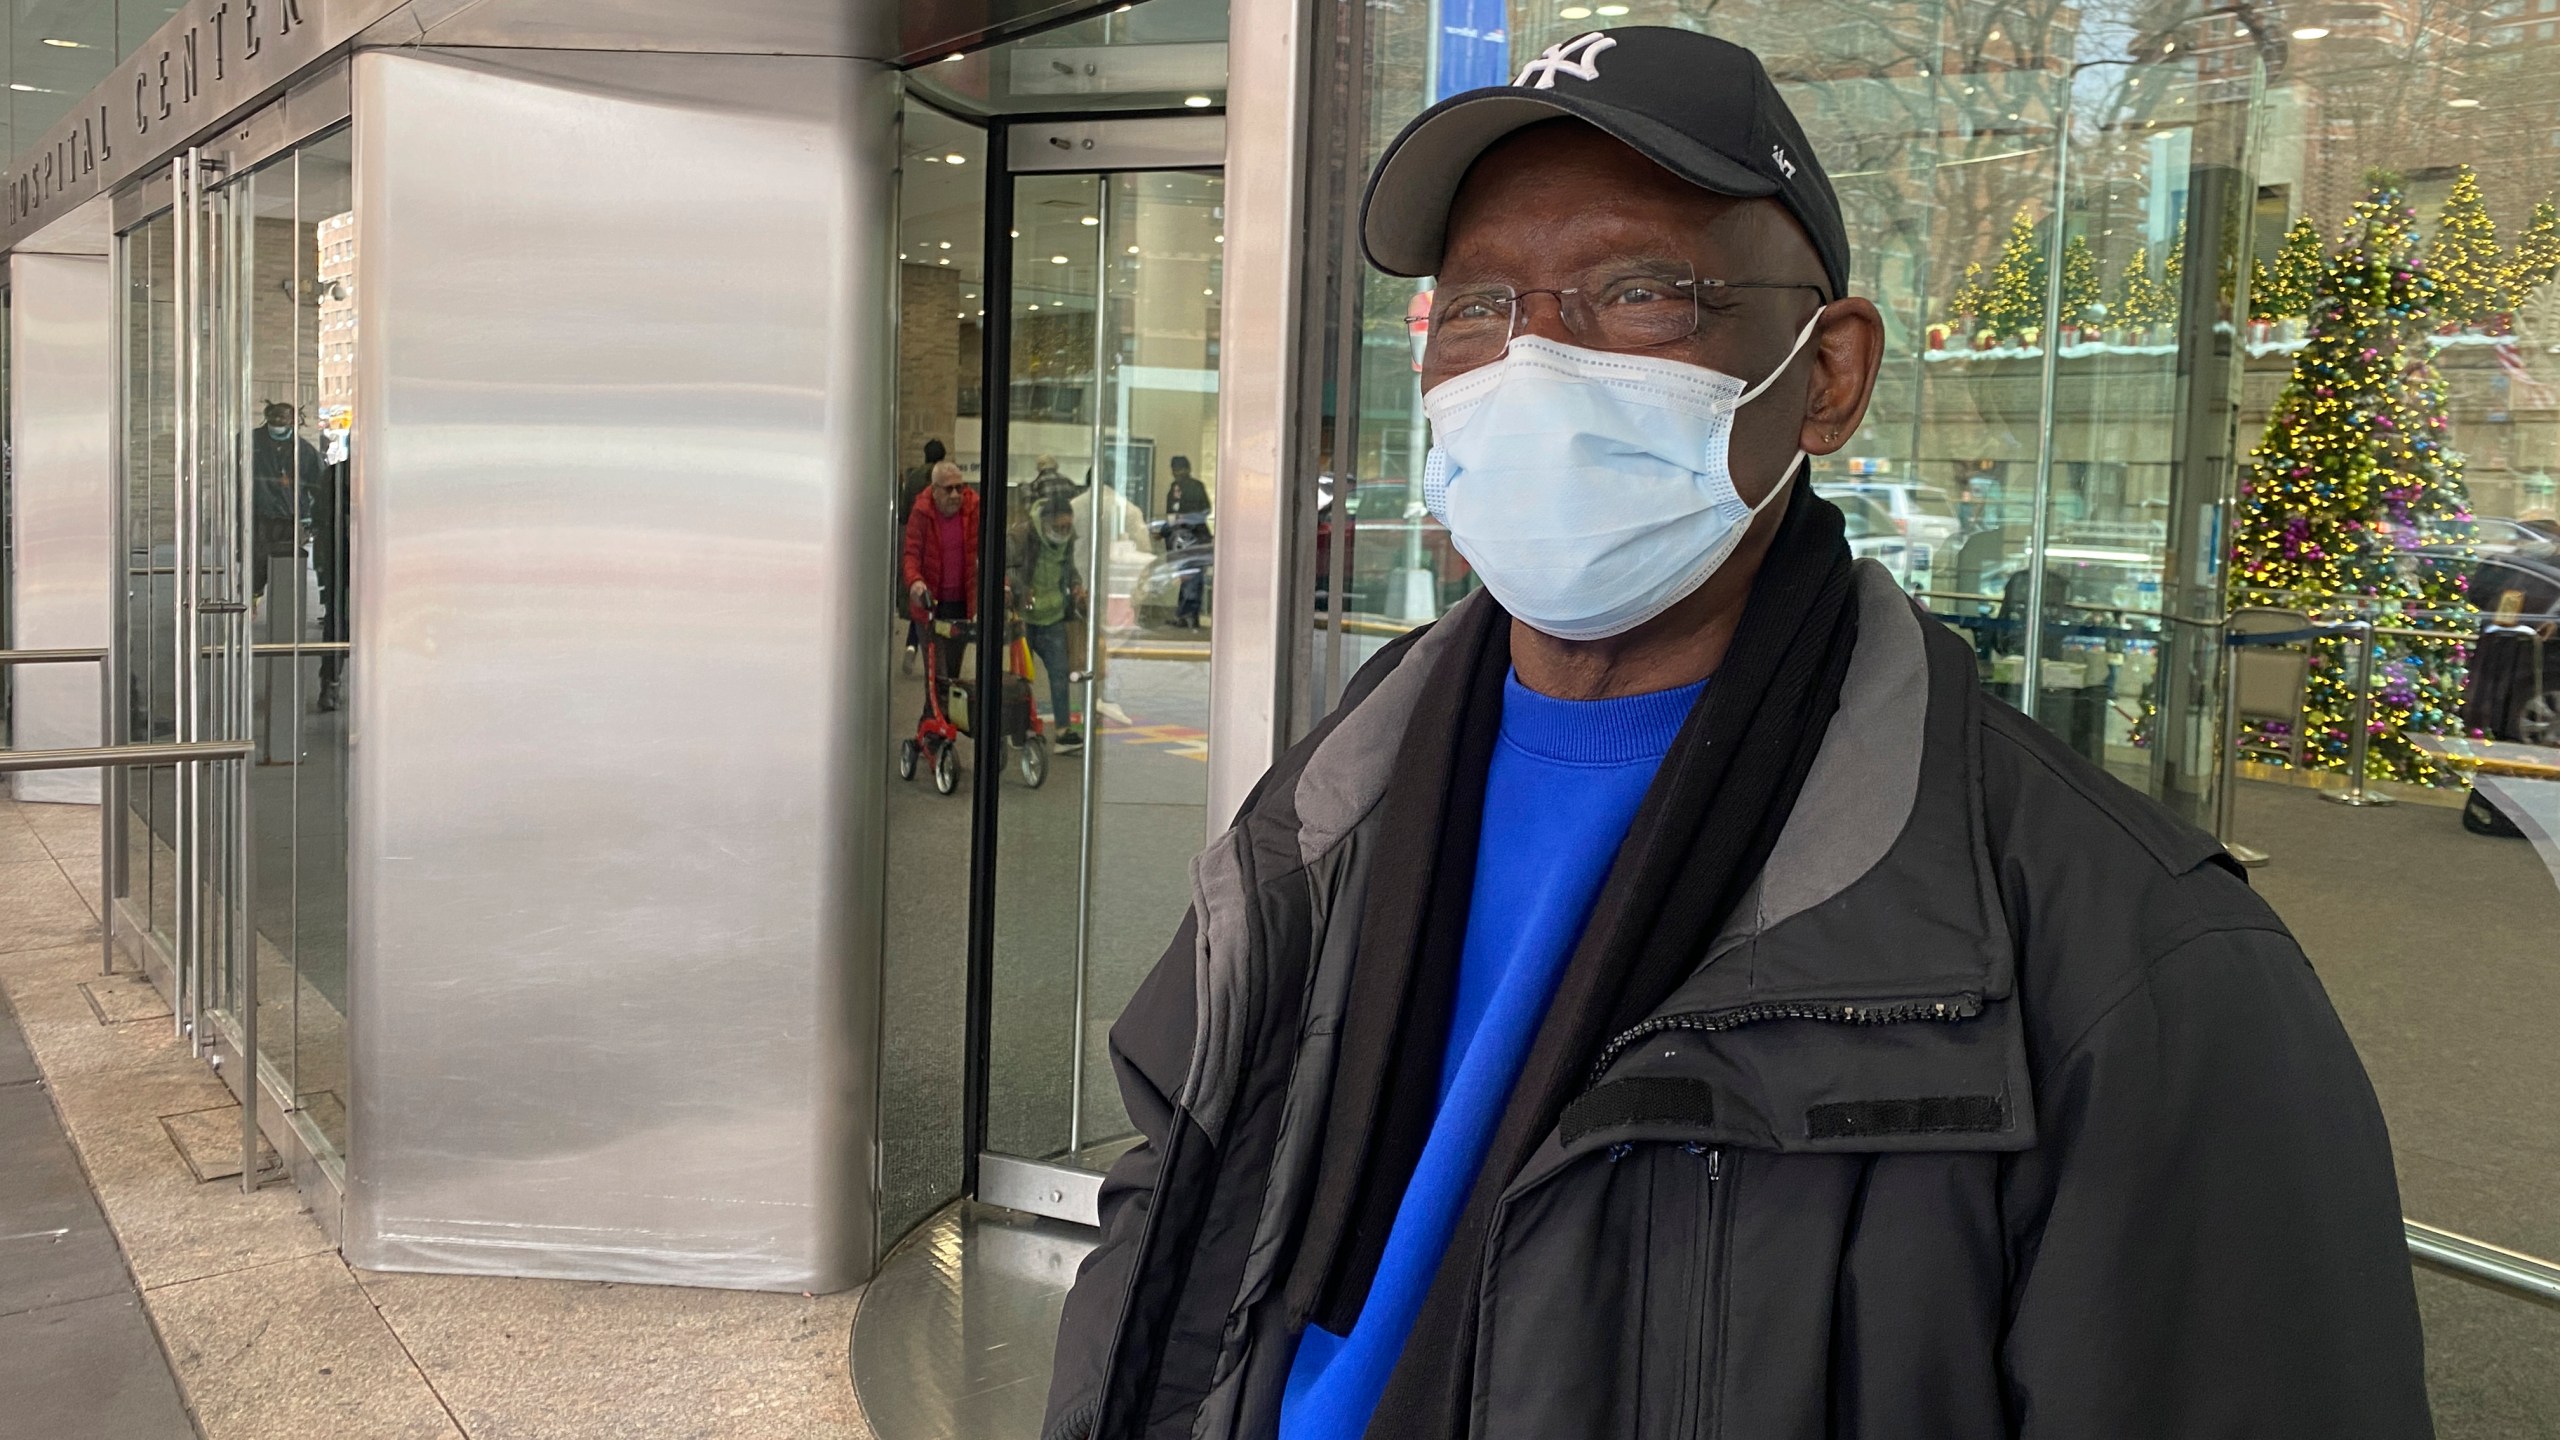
2000,1107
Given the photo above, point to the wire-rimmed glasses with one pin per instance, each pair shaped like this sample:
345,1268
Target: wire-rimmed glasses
1619,306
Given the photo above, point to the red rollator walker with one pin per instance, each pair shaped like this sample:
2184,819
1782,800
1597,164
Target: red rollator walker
950,708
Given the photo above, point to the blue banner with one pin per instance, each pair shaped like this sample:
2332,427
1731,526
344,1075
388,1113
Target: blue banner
1475,46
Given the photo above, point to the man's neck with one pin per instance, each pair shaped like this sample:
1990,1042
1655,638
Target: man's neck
1681,646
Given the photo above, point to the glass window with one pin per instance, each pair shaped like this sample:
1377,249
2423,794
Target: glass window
2130,383
941,406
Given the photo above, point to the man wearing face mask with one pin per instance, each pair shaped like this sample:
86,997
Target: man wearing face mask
285,478
1669,997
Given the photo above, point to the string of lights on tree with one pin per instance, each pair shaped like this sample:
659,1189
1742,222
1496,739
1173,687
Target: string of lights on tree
2356,467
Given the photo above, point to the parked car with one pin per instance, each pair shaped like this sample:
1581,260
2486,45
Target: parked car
1923,514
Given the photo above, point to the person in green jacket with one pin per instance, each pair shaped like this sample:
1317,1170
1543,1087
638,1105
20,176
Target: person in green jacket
1047,590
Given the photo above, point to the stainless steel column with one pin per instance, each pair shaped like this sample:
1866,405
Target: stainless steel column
624,366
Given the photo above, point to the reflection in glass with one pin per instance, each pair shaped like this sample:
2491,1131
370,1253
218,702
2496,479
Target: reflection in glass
941,395
1114,446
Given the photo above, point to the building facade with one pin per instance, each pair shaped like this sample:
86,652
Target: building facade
485,443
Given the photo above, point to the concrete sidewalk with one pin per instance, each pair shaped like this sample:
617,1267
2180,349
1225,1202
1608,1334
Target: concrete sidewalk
268,1332
83,1361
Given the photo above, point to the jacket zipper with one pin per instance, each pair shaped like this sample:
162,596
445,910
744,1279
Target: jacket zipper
1958,1007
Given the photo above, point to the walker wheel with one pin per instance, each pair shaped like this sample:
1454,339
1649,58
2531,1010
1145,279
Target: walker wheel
946,769
1035,761
907,759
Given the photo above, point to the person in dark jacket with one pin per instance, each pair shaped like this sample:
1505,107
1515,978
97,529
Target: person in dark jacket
1668,996
1046,587
285,479
911,488
939,560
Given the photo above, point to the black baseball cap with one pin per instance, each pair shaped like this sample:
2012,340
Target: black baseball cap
1702,108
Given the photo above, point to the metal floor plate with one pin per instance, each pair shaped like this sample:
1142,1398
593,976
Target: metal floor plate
953,1338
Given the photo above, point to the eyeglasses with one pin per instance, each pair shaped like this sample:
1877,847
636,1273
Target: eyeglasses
1613,307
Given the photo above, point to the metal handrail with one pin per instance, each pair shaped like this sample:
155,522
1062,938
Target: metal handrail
49,657
85,757
2509,1271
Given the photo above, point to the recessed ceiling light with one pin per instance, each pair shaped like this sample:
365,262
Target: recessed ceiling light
1995,35
961,315
1016,234
65,44
946,244
25,89
945,260
2463,102
1574,12
1196,102
1133,249
1208,292
1613,10
1057,259
954,55
1035,307
1089,220
955,158
902,254
2311,32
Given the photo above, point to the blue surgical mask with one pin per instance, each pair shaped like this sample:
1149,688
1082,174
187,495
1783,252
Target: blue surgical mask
280,432
1591,490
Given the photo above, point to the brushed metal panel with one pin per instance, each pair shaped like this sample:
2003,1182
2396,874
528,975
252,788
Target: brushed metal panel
1258,391
61,344
864,28
618,724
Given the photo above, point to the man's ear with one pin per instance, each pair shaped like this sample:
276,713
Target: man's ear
1848,348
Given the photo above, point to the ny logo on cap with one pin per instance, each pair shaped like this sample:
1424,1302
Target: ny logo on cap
1785,164
1577,57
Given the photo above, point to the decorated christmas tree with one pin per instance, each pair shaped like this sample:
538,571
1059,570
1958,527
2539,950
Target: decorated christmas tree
2536,258
2173,277
1971,294
2139,302
2079,280
2464,260
2282,290
2352,472
2015,302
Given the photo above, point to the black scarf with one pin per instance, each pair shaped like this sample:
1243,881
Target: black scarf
1698,840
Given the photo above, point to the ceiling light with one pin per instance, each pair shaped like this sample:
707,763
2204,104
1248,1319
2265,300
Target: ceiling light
946,244
1016,234
1995,35
902,254
2463,102
64,44
25,89
945,260
1197,102
1133,249
2168,46
955,158
2311,32
1035,307
1574,12
1218,239
962,315
954,55
1208,292
1613,9
1057,259
1089,220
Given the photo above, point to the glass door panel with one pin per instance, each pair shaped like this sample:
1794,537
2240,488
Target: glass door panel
1112,461
237,425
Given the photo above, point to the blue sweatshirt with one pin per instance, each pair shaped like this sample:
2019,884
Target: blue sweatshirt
1566,779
